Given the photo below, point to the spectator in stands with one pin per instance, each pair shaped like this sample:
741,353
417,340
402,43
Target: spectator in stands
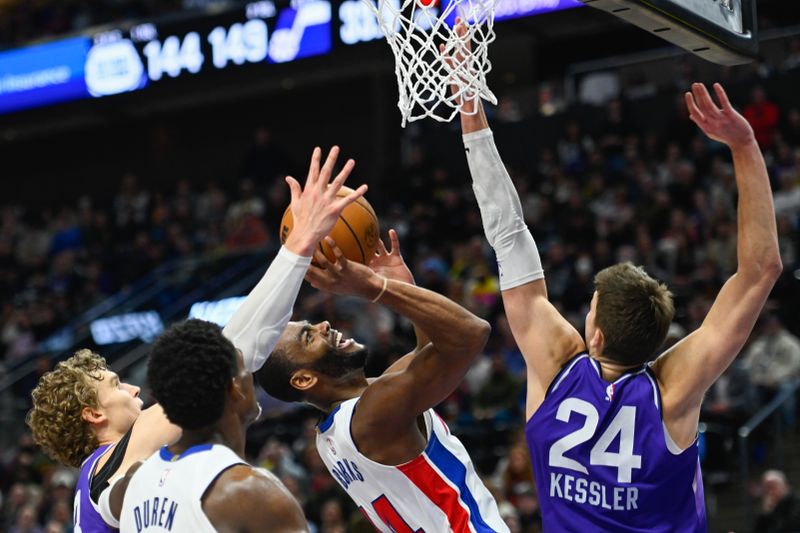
780,505
498,399
773,361
764,116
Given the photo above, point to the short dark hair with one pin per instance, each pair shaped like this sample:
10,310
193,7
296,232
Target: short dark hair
275,374
634,312
190,367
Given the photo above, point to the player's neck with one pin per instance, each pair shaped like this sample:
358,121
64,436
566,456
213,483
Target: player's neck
342,393
612,370
108,435
227,431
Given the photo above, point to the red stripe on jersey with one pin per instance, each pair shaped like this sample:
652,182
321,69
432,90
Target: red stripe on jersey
443,496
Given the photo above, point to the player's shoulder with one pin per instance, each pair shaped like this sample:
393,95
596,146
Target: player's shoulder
246,481
244,495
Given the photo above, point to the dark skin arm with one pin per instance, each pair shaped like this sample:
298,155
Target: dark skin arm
385,424
390,264
246,500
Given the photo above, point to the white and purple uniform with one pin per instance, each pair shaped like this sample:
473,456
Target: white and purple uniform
436,492
604,461
85,516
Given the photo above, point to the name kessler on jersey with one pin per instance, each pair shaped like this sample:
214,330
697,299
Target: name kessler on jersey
581,490
155,513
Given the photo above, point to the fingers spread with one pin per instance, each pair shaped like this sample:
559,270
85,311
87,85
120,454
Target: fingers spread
350,198
722,97
327,169
341,177
395,241
340,258
294,188
313,169
694,113
704,99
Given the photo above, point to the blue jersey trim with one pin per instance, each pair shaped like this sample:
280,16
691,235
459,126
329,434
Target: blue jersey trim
326,424
455,471
166,455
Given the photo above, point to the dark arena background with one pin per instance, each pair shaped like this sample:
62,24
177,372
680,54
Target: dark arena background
134,201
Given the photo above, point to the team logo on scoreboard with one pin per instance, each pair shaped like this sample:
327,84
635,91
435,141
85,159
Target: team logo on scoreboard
114,68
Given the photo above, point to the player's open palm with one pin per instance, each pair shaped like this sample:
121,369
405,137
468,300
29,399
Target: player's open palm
316,208
390,263
723,124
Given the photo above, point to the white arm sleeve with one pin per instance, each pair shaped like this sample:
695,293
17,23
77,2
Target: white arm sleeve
518,260
258,323
104,505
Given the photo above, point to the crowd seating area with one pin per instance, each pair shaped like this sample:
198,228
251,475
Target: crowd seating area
663,199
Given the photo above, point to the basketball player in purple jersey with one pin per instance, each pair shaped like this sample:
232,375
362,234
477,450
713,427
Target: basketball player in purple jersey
85,417
612,435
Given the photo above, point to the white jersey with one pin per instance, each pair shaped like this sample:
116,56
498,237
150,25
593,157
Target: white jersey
165,493
438,491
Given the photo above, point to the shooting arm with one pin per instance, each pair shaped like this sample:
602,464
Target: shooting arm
456,339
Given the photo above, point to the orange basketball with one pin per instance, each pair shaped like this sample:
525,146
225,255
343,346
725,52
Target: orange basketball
356,232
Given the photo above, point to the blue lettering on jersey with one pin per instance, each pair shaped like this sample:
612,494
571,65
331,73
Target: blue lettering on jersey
151,513
346,472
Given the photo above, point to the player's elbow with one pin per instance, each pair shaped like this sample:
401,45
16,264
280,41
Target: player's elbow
478,335
766,270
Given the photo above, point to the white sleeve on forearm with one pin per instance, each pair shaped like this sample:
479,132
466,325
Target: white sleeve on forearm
258,323
518,260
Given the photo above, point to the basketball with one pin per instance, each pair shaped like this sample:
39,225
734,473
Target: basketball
356,232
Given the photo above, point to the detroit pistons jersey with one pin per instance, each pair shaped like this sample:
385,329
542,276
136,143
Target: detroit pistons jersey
86,518
436,492
165,493
604,461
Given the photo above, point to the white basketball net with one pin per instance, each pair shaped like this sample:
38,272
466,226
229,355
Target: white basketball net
424,73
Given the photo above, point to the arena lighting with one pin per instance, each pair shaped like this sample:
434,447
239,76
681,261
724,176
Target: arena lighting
216,311
145,326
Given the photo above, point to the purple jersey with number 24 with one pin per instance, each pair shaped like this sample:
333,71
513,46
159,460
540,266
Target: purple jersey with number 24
85,517
603,460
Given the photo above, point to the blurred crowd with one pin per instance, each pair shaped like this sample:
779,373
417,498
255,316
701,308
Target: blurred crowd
662,199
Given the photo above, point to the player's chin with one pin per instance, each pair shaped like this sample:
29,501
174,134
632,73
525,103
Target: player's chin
353,347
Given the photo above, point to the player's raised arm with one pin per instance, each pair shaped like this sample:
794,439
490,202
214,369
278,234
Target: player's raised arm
547,340
389,263
394,401
688,369
257,325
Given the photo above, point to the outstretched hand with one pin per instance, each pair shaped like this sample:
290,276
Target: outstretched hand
723,124
342,276
316,208
390,263
455,54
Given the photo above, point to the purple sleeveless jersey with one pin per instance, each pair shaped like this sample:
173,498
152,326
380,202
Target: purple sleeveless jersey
602,459
84,516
